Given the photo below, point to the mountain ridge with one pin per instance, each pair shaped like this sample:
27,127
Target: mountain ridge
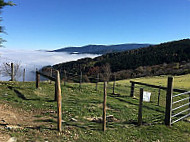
101,49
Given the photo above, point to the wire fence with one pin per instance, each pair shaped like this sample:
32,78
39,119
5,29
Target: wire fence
114,88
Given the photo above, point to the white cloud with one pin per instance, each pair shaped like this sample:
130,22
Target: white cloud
37,59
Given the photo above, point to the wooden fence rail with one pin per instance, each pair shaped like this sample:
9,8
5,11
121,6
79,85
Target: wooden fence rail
46,76
153,86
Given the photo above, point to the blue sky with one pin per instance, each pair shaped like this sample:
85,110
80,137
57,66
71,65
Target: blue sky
52,24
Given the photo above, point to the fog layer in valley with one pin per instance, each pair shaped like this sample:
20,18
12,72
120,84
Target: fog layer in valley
30,60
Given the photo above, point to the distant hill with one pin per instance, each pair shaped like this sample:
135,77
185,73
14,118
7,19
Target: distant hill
100,49
146,58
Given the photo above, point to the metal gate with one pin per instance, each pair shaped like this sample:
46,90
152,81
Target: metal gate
180,107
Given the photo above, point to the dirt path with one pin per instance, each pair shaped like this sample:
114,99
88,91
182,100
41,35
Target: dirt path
11,118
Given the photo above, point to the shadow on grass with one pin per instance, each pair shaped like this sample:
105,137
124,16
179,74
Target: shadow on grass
50,100
20,95
40,128
157,119
145,122
91,126
118,95
45,120
14,83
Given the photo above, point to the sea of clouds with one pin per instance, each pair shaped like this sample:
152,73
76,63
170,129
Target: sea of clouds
30,60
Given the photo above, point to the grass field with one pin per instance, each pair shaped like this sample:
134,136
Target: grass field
80,106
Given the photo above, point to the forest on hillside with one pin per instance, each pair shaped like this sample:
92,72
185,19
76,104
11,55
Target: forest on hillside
165,58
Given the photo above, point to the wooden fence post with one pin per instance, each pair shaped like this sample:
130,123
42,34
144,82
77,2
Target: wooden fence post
104,106
132,89
65,77
24,71
37,79
159,96
80,78
97,80
59,112
51,74
12,72
55,97
56,84
168,111
140,107
189,102
114,84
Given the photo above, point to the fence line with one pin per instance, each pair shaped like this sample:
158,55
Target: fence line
157,86
57,94
169,109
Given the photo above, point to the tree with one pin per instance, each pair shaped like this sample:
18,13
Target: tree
6,70
94,70
3,4
105,72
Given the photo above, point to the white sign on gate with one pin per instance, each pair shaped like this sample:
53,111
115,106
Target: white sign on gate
146,96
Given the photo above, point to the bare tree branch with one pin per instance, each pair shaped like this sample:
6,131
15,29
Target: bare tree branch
6,70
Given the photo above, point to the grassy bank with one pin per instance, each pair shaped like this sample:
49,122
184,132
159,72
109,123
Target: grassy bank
81,107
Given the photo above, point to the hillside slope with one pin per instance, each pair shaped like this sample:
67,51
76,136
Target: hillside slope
35,117
165,53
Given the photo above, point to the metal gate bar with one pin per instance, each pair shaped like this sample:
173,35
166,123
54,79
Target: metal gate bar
180,106
181,100
181,94
180,112
181,118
